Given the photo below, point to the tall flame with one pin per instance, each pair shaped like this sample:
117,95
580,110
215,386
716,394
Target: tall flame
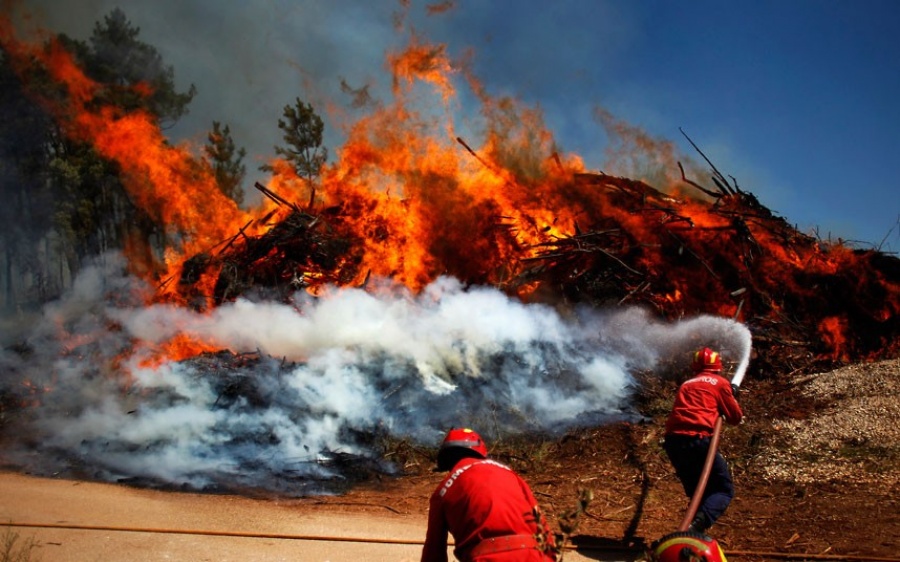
421,202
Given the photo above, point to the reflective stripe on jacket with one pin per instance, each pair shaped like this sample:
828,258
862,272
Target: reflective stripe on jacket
477,500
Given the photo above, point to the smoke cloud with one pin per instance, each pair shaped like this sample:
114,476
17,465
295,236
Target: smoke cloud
307,383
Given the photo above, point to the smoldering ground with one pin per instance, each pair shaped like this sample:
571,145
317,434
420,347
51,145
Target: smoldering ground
296,387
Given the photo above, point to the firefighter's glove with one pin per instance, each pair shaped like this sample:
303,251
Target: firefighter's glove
735,390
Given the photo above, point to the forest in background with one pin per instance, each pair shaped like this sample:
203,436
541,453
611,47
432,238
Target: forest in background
64,203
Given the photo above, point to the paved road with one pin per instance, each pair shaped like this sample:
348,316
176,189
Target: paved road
77,521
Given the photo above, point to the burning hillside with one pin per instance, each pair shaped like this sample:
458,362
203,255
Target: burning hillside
416,282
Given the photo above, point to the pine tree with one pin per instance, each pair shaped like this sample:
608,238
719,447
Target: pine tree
120,61
226,162
303,130
62,194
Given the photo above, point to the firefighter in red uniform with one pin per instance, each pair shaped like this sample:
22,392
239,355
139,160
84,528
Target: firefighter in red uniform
490,511
698,404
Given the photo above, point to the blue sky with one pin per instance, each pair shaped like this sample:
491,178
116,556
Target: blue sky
797,99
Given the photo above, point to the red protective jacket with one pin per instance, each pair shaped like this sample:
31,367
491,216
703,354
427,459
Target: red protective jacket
483,499
699,403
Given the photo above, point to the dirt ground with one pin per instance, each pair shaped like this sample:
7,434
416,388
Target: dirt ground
816,467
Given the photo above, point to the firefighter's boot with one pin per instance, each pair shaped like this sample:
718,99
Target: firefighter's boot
700,523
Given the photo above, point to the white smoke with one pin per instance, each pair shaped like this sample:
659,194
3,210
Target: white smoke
306,382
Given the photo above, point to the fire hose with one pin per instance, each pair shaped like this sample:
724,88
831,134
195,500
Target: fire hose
704,477
410,542
687,543
710,456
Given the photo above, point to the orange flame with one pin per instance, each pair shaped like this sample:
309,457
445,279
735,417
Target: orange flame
178,348
422,202
167,182
833,331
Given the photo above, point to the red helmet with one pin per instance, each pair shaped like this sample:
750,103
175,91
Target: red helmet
465,437
686,546
707,360
460,442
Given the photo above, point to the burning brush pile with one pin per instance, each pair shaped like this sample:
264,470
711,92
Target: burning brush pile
809,304
421,283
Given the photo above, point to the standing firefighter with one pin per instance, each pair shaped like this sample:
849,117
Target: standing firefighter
490,511
700,401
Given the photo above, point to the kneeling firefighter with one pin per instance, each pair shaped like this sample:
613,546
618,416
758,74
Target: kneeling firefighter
488,509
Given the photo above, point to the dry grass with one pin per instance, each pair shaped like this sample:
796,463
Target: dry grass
13,548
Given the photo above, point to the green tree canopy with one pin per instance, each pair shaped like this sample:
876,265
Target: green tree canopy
303,130
226,162
64,197
94,206
116,58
